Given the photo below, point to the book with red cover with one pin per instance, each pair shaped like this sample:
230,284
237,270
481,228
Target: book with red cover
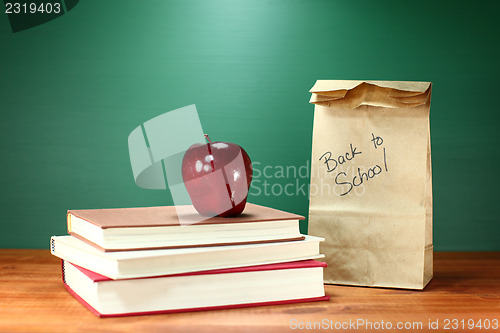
273,284
121,229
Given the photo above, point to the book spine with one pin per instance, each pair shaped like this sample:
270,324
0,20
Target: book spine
52,245
53,251
68,218
63,272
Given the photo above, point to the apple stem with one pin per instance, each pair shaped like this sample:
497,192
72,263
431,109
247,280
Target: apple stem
206,137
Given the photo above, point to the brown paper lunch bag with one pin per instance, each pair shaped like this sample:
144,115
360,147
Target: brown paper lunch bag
371,185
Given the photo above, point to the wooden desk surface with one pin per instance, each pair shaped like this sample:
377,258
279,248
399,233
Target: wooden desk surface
466,286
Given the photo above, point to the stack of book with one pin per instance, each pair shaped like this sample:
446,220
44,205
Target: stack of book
130,261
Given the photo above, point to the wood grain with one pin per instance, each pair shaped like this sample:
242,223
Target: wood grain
465,286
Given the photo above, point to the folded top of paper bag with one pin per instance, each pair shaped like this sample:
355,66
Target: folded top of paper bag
353,93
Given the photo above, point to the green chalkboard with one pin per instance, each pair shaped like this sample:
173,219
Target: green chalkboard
72,90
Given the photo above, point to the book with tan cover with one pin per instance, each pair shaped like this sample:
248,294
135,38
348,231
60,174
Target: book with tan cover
119,229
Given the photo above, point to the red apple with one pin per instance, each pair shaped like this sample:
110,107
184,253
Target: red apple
217,177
